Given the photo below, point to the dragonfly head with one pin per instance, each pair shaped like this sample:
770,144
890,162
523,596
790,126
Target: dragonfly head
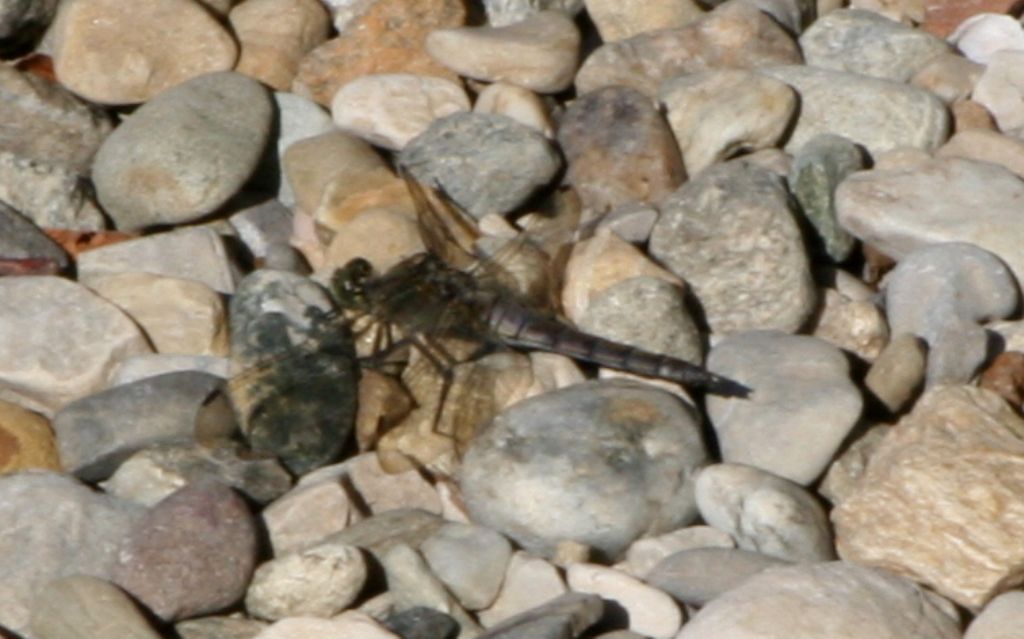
348,284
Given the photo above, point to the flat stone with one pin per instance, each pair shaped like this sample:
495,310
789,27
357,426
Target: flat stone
182,155
191,554
111,56
379,533
638,468
565,616
968,114
651,612
983,35
953,467
865,42
943,293
388,37
734,35
539,53
470,560
898,371
468,156
51,195
843,599
900,210
318,581
64,528
522,105
219,627
349,625
529,582
643,554
616,20
389,109
950,76
619,149
274,35
803,406
764,513
298,118
59,341
715,114
307,515
1000,89
89,608
697,576
501,13
843,475
263,227
999,619
877,114
704,237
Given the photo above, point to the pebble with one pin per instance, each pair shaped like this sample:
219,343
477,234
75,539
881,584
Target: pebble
877,114
182,317
941,17
818,168
619,149
952,467
470,560
51,195
650,611
902,209
382,236
898,371
318,581
847,470
191,554
26,441
704,236
968,114
529,582
983,35
88,608
839,598
98,432
867,43
274,35
522,105
389,109
638,463
854,325
63,528
803,407
716,114
1000,89
218,627
1004,376
467,155
349,625
501,13
565,616
943,293
950,76
764,513
999,619
307,515
646,552
183,154
263,226
422,623
697,576
296,390
986,146
20,239
616,20
388,37
58,341
734,35
631,222
45,123
118,57
375,489
539,53
136,367
379,533
158,470
298,118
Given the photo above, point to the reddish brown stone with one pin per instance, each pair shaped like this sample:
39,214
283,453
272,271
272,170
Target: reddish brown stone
1006,376
942,17
388,38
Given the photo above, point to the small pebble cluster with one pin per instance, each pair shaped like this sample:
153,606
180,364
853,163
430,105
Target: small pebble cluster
819,201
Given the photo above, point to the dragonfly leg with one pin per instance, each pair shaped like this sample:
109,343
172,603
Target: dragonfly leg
443,362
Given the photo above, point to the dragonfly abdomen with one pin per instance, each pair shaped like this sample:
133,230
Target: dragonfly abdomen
520,328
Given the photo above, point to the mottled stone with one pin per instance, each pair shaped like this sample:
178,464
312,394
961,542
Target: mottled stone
191,554
26,441
696,577
879,115
111,56
468,155
898,371
734,35
182,155
389,109
273,36
838,599
650,612
619,149
617,20
1000,89
715,114
388,37
51,195
502,13
58,341
88,608
764,513
470,560
307,515
637,447
854,325
704,237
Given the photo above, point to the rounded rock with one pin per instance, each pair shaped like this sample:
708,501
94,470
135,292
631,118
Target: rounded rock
185,152
319,581
88,608
695,577
1001,618
1000,89
983,35
470,560
274,35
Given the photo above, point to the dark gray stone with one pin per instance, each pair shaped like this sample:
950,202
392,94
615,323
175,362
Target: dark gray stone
422,623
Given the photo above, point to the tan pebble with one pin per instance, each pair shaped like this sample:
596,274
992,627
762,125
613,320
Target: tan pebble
383,236
383,402
112,56
529,582
853,325
520,104
311,164
898,371
950,76
387,38
26,440
986,146
540,53
619,19
389,109
968,114
274,35
1005,375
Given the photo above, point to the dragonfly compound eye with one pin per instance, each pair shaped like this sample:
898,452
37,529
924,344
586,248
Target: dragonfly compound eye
348,283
